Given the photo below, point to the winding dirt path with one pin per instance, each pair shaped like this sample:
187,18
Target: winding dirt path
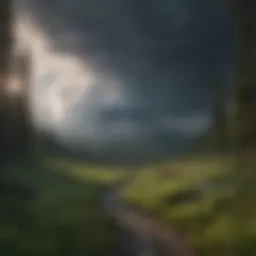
141,235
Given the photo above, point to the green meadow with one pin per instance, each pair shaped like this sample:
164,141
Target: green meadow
198,196
202,198
63,213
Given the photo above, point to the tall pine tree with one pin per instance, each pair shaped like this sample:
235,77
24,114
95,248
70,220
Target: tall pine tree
5,51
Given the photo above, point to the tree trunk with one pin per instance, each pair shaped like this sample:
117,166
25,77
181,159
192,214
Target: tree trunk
245,90
5,51
220,138
245,85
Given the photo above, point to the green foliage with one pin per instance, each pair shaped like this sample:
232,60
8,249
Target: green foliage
65,218
221,221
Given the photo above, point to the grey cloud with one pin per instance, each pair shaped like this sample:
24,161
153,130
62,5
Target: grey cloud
167,55
189,125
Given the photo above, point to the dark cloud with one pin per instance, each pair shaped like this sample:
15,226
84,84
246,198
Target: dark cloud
168,55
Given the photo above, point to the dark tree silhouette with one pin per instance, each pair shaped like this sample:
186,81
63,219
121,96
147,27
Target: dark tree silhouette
5,50
220,119
246,79
14,119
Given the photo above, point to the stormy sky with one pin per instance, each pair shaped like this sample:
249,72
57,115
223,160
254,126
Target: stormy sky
127,74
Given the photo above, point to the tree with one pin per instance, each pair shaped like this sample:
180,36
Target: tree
5,51
246,80
245,91
220,138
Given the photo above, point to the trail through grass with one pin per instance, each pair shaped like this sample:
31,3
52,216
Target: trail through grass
197,196
200,198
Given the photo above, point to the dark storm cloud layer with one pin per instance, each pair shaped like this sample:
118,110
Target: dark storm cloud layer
172,49
168,55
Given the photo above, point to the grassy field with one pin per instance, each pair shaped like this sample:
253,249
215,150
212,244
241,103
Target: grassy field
197,195
200,197
100,174
62,216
